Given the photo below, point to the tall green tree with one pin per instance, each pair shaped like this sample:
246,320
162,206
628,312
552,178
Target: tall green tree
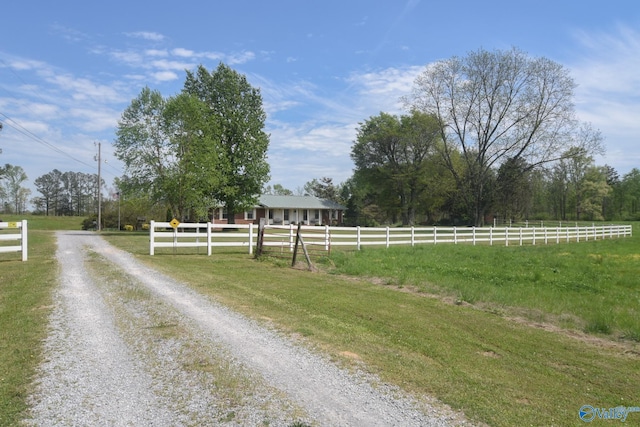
143,145
323,188
16,194
630,190
595,190
492,106
197,171
49,185
513,196
235,111
393,154
278,190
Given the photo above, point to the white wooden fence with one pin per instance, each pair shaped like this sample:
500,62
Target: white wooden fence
208,235
10,231
200,235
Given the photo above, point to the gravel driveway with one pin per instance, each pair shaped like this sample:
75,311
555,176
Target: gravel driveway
129,346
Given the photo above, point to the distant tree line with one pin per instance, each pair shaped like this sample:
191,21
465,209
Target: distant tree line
66,193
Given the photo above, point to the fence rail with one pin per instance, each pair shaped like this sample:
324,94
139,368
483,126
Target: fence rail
282,237
8,234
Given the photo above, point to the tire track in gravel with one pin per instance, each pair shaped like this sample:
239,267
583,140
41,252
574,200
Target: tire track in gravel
110,384
90,377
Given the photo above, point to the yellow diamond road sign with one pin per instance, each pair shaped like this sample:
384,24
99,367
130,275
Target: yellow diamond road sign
174,223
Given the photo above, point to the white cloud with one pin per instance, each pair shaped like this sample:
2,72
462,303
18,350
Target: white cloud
130,58
608,93
390,82
609,62
164,64
185,53
156,52
69,34
21,64
240,57
81,89
95,120
146,35
165,76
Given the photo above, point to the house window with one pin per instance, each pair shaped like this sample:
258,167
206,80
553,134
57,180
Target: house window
225,214
286,214
305,215
250,215
317,214
270,214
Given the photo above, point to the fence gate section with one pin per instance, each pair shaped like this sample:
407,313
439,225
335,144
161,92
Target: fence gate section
11,232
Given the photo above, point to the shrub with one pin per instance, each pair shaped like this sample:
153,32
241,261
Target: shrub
128,227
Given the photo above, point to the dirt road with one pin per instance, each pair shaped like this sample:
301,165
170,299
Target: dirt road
129,346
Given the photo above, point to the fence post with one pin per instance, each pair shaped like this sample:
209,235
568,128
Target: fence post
474,235
455,235
327,237
291,243
520,236
388,236
413,237
434,234
358,237
534,236
250,238
24,239
175,239
506,236
209,226
152,228
491,236
197,239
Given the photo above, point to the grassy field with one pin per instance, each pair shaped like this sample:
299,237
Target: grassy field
373,308
436,321
590,286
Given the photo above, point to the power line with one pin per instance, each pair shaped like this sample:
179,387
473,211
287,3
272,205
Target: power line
26,132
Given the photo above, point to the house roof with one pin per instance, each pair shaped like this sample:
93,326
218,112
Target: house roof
297,202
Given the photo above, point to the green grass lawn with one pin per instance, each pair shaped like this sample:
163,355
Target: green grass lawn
590,286
434,320
471,356
25,303
25,298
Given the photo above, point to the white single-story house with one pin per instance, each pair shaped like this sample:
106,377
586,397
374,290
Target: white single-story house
285,210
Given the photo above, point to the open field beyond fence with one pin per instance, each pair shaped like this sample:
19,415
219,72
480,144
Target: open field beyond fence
207,235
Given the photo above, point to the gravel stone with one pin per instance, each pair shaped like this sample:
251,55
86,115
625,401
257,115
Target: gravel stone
108,364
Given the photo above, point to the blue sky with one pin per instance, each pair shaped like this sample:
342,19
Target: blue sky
68,69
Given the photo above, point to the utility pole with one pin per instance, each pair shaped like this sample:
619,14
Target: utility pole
99,227
118,193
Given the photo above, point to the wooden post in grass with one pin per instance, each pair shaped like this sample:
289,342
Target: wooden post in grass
300,242
261,227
